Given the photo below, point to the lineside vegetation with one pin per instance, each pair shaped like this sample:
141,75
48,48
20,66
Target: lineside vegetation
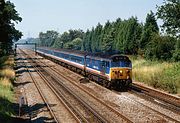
158,74
7,76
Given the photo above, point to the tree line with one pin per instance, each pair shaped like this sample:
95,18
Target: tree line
128,36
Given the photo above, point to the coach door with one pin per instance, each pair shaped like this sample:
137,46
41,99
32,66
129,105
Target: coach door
103,67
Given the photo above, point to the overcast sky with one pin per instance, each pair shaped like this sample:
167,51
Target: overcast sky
62,15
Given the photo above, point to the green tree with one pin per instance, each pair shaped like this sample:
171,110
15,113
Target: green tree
8,34
75,34
86,45
58,43
106,37
42,38
47,39
160,47
169,12
122,35
133,36
176,52
84,41
75,44
65,39
107,42
149,29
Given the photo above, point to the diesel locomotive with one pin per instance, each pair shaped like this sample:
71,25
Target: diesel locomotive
113,71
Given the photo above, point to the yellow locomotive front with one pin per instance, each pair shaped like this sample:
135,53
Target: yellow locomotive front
121,71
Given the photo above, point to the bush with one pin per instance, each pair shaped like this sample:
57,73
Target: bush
176,55
171,78
160,47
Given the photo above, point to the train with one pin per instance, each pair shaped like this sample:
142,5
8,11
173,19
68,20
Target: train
111,71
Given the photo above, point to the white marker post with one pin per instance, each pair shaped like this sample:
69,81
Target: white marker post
21,101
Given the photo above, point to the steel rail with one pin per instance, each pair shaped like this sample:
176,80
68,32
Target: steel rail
72,93
41,94
100,101
147,90
62,99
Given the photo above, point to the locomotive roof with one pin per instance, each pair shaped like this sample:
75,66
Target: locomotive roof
98,56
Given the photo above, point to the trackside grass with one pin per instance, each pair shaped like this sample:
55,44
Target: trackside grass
162,75
7,75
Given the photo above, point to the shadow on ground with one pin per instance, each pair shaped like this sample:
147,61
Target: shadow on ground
9,112
16,84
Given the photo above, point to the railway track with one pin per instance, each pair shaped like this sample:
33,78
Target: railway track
168,98
52,112
173,100
57,76
56,73
137,102
68,96
45,75
40,92
157,101
151,108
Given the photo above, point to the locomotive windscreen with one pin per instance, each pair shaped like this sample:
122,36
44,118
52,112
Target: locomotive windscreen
121,61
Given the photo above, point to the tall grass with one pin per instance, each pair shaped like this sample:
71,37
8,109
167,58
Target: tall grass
7,75
161,75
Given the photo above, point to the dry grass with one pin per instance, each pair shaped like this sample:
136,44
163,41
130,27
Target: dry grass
162,75
149,70
8,73
6,88
9,62
5,82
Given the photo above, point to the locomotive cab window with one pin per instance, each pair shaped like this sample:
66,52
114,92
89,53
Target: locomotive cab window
120,61
121,64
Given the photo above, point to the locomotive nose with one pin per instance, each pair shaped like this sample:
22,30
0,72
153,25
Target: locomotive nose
120,73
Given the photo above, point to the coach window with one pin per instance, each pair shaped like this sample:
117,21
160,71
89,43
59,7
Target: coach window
107,64
87,62
96,64
103,64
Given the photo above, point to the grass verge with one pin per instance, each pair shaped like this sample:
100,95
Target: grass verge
7,75
163,75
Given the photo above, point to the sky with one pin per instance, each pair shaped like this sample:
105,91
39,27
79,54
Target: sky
62,15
